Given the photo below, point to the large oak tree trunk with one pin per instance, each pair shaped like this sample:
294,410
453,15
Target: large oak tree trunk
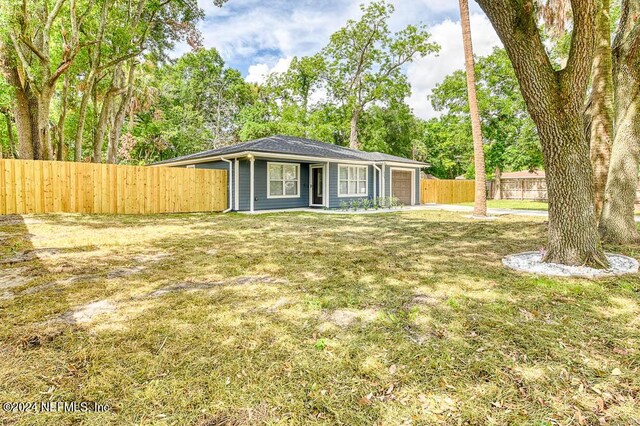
617,223
573,236
555,101
480,204
601,106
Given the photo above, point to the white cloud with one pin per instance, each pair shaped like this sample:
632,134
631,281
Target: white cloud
258,73
426,72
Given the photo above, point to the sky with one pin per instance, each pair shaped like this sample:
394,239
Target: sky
262,36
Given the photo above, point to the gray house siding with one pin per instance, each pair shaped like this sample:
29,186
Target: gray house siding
334,199
262,202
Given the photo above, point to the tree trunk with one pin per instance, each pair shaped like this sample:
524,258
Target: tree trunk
497,181
9,123
573,237
555,100
39,106
617,223
118,122
82,117
60,154
101,128
353,137
601,106
12,141
480,205
23,125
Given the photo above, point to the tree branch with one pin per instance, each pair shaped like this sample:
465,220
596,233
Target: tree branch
53,15
118,60
34,49
574,78
23,60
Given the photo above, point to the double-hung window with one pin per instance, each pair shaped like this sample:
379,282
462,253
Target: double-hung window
283,180
352,181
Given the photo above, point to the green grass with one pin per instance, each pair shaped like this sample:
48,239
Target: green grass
514,204
404,318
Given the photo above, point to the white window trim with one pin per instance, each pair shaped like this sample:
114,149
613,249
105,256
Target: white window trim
413,181
269,163
366,177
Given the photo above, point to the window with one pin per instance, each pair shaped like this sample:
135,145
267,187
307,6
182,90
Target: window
284,180
352,181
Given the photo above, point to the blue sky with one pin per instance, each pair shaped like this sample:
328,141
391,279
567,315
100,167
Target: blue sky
258,37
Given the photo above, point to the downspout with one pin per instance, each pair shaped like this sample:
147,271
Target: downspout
230,184
377,169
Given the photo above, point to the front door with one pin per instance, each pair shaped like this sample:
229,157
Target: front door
317,185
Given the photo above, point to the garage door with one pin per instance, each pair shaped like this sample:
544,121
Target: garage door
401,186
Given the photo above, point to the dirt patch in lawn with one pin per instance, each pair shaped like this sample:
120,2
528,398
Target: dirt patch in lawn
14,277
29,255
259,415
344,318
125,271
86,313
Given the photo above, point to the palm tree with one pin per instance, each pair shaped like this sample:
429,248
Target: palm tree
480,205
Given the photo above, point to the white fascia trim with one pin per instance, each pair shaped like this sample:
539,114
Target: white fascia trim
353,195
202,160
298,195
406,165
263,155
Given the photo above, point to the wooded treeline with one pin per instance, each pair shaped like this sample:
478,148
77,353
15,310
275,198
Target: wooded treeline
97,85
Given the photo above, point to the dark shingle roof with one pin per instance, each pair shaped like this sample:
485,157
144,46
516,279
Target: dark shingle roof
294,146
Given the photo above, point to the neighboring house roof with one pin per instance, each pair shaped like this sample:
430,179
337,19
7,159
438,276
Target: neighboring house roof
294,146
523,174
429,176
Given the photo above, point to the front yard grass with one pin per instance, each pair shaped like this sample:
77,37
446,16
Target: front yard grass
301,318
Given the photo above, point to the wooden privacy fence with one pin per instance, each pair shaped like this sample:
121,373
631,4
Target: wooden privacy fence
28,186
447,191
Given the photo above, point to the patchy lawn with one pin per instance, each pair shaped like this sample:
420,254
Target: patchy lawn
405,318
515,204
